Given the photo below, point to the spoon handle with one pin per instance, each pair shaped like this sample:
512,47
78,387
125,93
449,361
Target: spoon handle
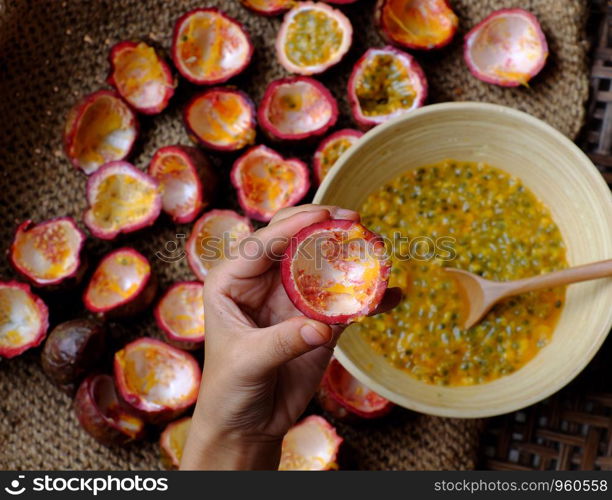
585,272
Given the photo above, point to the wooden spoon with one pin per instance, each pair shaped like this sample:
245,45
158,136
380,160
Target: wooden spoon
481,294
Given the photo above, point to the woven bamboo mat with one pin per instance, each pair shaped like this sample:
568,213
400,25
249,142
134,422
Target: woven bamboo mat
52,51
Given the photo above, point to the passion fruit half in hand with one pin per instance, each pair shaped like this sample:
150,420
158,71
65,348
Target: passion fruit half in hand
297,108
507,48
24,319
121,199
122,285
72,349
221,119
267,182
385,83
186,180
343,396
209,47
158,380
100,129
103,415
48,253
141,76
335,271
180,314
310,445
268,7
416,24
331,148
312,38
172,442
215,237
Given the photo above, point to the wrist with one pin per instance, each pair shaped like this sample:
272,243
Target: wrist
209,448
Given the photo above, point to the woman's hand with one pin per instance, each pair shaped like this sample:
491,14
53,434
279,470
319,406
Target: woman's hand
264,359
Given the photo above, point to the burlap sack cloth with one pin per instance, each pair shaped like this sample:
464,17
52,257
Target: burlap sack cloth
53,51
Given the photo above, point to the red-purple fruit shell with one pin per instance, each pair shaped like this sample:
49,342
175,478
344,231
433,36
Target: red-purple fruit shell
335,271
158,380
297,108
100,128
122,285
310,445
330,149
215,236
268,7
303,50
507,48
24,319
180,314
370,98
221,119
342,395
102,414
266,182
112,193
416,24
172,442
48,253
186,179
195,50
141,77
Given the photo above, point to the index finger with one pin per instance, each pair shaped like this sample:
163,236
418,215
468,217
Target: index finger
334,211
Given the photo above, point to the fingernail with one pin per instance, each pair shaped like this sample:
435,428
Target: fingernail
312,336
343,213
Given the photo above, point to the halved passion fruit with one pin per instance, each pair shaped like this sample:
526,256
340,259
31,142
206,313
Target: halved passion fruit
267,182
416,24
215,236
507,48
186,180
310,445
24,319
342,395
122,285
268,7
48,253
335,271
158,380
72,349
100,129
332,148
102,414
180,314
122,199
222,119
141,76
172,442
385,83
297,108
209,47
312,38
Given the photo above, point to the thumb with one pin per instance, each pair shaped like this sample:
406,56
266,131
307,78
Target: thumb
292,338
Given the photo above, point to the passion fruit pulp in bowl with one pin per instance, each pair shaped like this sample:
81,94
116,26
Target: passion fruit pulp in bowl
559,175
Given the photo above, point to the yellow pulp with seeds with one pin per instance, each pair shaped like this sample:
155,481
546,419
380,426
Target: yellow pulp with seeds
94,143
137,67
122,200
384,86
313,37
476,218
334,151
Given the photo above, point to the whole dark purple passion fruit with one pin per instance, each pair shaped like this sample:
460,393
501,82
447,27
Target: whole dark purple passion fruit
71,351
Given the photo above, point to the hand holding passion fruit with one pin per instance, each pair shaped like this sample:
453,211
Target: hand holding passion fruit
264,361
